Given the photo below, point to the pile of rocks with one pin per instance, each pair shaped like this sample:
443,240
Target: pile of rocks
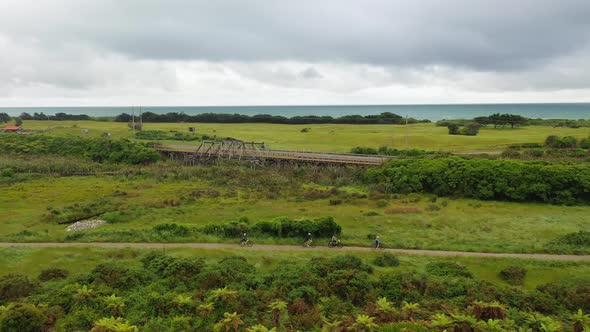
85,224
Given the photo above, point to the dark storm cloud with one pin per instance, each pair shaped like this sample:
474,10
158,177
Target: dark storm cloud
498,35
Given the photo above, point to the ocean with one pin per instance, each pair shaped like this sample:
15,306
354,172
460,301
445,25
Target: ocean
572,111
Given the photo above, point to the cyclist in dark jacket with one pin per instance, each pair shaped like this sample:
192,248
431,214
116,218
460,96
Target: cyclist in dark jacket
308,240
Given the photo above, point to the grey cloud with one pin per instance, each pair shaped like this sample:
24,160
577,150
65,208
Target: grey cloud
472,34
310,73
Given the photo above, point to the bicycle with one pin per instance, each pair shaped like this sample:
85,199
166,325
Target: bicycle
308,244
246,243
335,244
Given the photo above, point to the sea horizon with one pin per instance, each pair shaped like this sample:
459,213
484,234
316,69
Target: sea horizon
433,112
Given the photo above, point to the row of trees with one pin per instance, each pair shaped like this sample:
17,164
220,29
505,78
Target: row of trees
486,179
383,118
496,120
56,116
166,293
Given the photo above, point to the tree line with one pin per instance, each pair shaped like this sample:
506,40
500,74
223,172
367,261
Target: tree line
383,118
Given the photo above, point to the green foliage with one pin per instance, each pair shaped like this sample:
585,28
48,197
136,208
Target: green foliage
578,243
157,135
486,179
386,151
7,173
278,227
171,230
448,269
15,286
101,150
22,317
513,275
53,274
113,325
386,259
557,142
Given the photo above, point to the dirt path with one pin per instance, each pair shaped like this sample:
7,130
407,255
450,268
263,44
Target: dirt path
265,247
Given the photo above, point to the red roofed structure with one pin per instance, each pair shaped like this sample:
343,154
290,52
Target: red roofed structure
12,129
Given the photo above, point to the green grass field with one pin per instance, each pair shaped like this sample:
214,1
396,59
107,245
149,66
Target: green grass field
331,137
31,261
405,222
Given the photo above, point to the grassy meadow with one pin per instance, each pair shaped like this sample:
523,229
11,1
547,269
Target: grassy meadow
330,137
402,221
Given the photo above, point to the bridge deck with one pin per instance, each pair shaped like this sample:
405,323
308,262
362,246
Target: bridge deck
321,157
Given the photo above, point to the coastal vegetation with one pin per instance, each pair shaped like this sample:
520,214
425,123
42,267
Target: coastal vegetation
75,171
187,290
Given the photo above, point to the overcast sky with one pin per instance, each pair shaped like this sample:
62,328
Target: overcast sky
189,52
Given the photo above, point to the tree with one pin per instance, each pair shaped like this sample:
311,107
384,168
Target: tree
408,310
83,294
4,117
223,294
26,116
581,321
453,129
471,129
22,317
113,325
229,321
384,310
364,323
115,304
278,309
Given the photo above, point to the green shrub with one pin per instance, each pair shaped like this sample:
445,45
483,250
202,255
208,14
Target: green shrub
585,143
448,269
171,230
7,173
22,317
386,259
513,275
52,274
15,286
118,151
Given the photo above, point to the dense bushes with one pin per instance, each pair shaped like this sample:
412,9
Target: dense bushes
95,149
386,259
448,269
169,293
385,151
577,243
279,227
15,286
469,129
486,179
513,275
53,274
157,135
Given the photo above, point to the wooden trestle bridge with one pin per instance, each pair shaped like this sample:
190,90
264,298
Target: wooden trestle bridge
258,153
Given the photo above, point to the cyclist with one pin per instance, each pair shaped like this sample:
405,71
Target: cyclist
334,240
308,240
244,239
377,242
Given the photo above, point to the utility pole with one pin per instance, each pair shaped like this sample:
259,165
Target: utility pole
133,119
406,131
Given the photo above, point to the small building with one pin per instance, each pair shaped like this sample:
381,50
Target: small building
12,129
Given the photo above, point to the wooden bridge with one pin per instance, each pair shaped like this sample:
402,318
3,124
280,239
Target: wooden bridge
257,152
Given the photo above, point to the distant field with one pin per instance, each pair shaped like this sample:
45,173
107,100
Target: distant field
331,137
31,261
405,222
